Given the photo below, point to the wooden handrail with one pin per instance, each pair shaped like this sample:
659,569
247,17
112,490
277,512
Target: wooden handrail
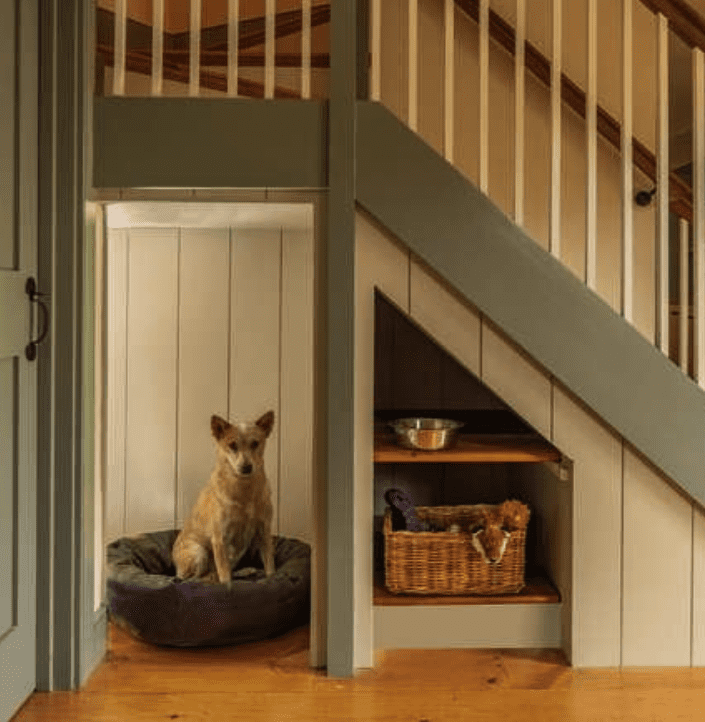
685,22
680,194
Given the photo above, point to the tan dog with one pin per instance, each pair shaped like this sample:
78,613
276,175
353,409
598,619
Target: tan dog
234,510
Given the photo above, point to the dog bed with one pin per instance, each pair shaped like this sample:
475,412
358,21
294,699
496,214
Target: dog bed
146,598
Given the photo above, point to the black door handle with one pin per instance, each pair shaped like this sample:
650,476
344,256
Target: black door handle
30,288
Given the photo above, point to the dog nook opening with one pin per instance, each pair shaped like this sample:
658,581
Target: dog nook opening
497,457
207,308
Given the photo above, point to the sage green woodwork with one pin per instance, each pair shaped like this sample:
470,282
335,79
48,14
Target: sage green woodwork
18,375
209,143
531,296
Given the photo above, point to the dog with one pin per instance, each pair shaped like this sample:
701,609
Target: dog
233,512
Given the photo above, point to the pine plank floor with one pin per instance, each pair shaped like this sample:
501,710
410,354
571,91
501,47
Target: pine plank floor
271,681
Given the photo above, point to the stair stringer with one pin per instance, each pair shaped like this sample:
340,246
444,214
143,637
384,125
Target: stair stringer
537,302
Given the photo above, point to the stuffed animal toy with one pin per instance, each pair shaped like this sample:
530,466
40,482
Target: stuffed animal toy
491,531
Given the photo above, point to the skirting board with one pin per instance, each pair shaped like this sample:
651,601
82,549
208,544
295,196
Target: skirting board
477,626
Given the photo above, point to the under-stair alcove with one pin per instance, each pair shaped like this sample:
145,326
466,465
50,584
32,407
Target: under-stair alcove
498,456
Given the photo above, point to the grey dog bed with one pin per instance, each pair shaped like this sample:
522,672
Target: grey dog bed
145,597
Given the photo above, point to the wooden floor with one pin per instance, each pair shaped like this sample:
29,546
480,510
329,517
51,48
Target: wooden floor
271,681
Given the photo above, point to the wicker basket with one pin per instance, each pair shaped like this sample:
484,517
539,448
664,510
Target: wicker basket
447,562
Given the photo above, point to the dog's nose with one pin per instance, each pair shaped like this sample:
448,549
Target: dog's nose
246,469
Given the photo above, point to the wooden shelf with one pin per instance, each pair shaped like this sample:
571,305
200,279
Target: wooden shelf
537,591
470,448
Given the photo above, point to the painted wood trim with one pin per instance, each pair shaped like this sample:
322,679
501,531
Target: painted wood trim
484,100
376,49
591,131
194,83
519,120
698,637
699,215
662,197
684,287
120,44
413,67
157,46
449,79
306,49
554,241
233,41
627,164
269,48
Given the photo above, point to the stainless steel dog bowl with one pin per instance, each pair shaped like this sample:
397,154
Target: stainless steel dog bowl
425,434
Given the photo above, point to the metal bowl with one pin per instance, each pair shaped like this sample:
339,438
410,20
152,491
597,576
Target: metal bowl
425,434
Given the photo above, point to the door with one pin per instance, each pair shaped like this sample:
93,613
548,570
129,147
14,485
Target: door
18,182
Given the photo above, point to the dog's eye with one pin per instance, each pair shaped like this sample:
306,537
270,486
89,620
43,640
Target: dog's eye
254,445
233,446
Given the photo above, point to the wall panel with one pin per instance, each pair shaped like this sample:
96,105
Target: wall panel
698,651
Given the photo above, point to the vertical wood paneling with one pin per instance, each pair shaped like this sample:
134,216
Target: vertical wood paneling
380,263
152,320
453,324
413,72
657,569
597,531
194,83
119,50
684,284
484,101
554,243
699,215
204,315
519,103
116,409
8,501
255,323
233,46
662,185
449,78
157,46
698,641
297,373
269,47
627,165
516,380
306,51
591,130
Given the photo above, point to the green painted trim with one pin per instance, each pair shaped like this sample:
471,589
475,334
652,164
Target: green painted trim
221,142
339,297
531,296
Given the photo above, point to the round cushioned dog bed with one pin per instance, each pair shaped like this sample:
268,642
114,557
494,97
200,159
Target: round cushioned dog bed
146,598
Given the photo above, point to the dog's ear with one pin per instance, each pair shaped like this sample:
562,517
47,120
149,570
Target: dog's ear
266,422
218,427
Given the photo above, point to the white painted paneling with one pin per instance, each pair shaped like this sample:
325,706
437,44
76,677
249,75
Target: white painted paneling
116,368
657,569
597,531
452,324
295,502
698,651
380,263
255,322
150,459
516,379
204,333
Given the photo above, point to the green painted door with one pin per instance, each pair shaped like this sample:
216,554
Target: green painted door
18,183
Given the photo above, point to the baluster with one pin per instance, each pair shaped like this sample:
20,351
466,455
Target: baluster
306,49
449,79
269,47
119,51
554,242
484,93
627,169
684,238
376,49
519,102
412,113
699,214
591,129
233,46
194,84
662,184
157,46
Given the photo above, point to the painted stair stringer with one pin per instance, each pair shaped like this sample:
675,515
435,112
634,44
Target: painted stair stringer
537,302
